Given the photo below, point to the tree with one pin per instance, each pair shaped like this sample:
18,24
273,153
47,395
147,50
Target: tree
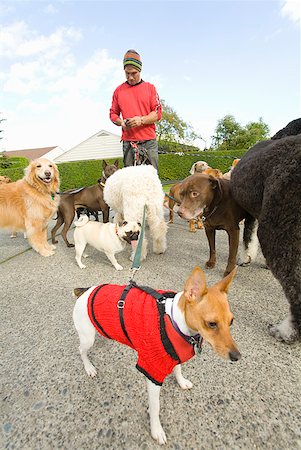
173,129
230,135
226,133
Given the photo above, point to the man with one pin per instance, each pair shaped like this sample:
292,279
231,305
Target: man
136,107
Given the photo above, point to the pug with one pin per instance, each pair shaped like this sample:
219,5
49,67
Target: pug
109,238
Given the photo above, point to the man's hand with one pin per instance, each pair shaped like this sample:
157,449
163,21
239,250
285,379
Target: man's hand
135,121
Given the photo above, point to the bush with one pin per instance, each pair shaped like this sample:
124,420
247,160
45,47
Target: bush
85,173
176,167
77,174
13,167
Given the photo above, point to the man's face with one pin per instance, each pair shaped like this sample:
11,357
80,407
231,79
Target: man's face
132,75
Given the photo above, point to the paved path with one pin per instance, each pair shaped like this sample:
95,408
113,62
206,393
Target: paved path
48,402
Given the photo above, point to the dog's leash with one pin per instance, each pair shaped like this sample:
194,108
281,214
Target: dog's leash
137,257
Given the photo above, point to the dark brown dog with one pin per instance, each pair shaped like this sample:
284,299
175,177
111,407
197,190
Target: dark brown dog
90,197
175,199
204,194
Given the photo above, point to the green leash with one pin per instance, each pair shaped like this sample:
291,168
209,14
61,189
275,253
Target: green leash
137,257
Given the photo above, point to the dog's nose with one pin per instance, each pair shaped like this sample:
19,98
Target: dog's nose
234,356
180,213
47,173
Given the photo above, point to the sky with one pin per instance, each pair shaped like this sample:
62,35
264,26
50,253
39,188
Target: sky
60,62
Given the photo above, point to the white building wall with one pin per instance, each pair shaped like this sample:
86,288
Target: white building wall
103,145
54,153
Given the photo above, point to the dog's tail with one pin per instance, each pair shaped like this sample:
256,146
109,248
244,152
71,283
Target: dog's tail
77,292
83,220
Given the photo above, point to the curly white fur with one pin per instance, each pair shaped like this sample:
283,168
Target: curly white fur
128,190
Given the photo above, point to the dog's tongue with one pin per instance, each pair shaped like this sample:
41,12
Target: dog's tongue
134,243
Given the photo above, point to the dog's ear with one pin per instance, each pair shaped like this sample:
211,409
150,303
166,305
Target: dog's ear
104,164
116,164
224,284
213,181
195,286
56,179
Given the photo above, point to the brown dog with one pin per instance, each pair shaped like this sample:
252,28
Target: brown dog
90,197
175,198
204,194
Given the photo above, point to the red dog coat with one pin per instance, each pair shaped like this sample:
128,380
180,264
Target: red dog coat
135,318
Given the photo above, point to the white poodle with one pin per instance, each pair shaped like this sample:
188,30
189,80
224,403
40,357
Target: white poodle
127,191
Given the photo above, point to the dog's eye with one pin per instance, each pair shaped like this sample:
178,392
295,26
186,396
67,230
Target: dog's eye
194,194
212,325
50,165
139,224
124,223
39,165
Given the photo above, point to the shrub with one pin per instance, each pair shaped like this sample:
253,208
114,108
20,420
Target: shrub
15,167
172,166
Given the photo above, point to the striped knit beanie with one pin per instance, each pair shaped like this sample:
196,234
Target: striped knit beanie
132,58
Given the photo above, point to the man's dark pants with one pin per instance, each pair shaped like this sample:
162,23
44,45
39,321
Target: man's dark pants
151,148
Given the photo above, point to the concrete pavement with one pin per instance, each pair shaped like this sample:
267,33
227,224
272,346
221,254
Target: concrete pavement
48,402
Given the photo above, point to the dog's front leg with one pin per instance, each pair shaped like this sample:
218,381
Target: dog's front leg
157,431
210,233
113,260
183,382
233,248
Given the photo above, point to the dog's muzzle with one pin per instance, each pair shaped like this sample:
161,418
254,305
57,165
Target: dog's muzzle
47,178
131,236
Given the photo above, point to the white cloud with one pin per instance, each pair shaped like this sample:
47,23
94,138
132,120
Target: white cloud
49,96
18,40
292,10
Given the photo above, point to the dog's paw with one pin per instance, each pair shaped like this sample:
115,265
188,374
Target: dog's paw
118,267
46,253
243,262
85,255
82,266
283,333
159,435
210,264
90,369
185,384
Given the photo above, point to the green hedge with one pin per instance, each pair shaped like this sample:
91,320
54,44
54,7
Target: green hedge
15,170
176,167
171,167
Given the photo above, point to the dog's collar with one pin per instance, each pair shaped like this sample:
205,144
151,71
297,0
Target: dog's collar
204,218
53,194
102,184
195,340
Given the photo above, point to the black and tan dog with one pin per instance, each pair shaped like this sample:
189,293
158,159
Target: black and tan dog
267,183
210,196
90,198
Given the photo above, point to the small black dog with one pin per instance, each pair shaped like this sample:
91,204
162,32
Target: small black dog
87,212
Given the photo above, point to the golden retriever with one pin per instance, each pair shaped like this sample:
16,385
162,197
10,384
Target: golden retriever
28,204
